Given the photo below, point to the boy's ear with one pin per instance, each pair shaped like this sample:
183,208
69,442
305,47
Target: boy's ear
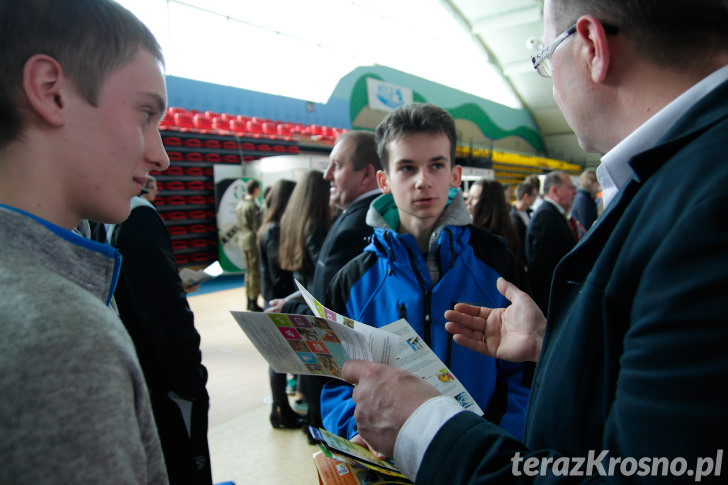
43,83
457,176
383,182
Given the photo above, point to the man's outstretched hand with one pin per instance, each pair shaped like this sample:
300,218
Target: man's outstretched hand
514,333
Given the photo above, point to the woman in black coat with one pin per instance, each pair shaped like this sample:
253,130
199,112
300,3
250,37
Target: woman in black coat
276,283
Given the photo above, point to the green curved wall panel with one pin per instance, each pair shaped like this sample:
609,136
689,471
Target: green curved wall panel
490,129
495,121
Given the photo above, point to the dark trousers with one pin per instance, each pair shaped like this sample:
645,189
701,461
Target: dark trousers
311,388
187,456
278,382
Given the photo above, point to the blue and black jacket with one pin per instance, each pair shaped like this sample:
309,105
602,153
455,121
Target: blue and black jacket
393,279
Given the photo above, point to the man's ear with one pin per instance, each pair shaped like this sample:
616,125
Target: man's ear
596,47
43,82
552,192
369,175
457,176
383,182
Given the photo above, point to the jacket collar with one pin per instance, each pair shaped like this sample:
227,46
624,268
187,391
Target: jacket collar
89,264
383,212
708,111
363,200
447,240
360,200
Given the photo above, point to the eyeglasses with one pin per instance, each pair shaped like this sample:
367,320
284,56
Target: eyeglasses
542,60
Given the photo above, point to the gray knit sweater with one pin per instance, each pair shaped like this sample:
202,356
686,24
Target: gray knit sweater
74,407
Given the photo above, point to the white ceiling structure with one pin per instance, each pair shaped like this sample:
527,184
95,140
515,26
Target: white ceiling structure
510,32
482,47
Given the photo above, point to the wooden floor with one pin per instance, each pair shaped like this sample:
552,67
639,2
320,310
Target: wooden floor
244,448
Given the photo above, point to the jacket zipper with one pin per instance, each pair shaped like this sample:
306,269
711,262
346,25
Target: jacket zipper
427,298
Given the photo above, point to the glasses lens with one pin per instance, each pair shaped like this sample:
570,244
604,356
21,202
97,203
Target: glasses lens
544,69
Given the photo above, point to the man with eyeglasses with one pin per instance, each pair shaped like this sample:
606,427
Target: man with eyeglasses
632,357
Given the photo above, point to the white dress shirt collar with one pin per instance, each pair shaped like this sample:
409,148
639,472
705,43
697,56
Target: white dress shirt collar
555,204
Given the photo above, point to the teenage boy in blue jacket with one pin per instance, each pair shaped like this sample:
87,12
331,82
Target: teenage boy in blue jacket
425,256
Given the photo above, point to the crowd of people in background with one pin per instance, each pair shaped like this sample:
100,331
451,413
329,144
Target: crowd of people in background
557,228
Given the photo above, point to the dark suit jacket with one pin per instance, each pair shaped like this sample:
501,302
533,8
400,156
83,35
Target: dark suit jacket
548,239
584,209
634,357
346,239
521,230
153,307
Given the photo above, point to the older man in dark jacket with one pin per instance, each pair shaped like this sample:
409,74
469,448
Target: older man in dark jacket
549,236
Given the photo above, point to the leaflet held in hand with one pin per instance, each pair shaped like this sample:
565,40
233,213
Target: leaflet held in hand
320,344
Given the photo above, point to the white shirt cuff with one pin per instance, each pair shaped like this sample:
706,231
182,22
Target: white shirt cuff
419,430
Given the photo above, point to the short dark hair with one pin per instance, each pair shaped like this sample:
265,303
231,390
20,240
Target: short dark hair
365,149
251,185
667,32
534,181
522,189
88,38
412,119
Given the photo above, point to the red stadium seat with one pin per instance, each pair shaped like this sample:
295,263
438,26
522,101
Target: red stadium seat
202,122
254,127
192,142
221,124
269,128
284,129
172,141
184,120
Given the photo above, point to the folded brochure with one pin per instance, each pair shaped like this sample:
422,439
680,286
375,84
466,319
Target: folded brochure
332,471
305,344
320,344
345,451
191,277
